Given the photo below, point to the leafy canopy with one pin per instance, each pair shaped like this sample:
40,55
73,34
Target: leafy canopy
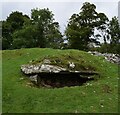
81,27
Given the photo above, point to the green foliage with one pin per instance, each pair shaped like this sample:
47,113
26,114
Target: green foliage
54,36
18,96
114,31
6,35
19,31
24,38
109,48
104,48
81,26
14,22
41,30
47,31
42,18
114,38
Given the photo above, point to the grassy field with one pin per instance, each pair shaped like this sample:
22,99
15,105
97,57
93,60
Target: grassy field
100,96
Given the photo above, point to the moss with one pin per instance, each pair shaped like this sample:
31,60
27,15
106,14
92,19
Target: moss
63,60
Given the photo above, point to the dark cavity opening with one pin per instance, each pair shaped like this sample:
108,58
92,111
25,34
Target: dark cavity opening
62,79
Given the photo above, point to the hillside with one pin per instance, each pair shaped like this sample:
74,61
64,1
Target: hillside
98,96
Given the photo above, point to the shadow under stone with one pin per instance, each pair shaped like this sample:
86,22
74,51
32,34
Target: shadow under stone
62,79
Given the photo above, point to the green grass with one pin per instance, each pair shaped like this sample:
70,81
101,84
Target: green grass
100,96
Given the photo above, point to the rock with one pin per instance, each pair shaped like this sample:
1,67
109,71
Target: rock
113,58
33,78
71,65
39,68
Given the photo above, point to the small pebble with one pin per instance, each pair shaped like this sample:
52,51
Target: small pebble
102,106
76,111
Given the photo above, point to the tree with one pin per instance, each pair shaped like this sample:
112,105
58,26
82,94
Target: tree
47,31
24,38
6,35
41,31
54,36
14,21
114,32
103,24
80,29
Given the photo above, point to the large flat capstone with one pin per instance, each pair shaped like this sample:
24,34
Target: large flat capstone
40,68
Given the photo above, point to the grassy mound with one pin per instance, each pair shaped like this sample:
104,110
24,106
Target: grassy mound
81,61
96,96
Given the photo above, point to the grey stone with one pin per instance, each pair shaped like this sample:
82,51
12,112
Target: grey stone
71,65
113,58
33,78
38,68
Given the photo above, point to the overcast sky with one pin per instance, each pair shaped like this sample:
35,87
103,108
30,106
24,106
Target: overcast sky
62,9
